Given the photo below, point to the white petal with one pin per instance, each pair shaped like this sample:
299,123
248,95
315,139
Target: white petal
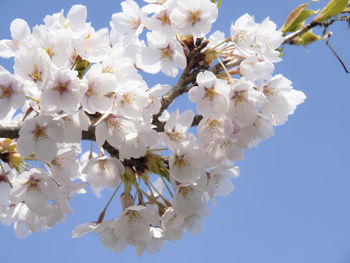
25,145
45,150
19,29
77,14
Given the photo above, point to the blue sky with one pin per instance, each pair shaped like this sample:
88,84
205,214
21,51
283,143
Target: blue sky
292,200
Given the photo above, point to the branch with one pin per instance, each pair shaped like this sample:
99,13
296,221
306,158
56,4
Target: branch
197,119
290,38
9,131
187,77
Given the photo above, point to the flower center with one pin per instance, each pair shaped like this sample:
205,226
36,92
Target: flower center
108,69
33,185
193,16
166,54
180,161
186,192
135,23
103,165
270,92
214,124
62,87
175,135
36,74
164,18
211,93
6,91
133,217
239,97
49,51
39,133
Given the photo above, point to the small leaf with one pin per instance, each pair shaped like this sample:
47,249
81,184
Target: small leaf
307,38
296,19
333,8
218,3
81,66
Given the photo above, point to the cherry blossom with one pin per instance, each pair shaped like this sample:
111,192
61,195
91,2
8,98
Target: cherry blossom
72,82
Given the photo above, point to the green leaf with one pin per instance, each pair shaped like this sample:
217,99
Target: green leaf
218,3
81,66
296,19
307,38
333,8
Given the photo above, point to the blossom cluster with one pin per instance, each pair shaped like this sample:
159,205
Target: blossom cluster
70,79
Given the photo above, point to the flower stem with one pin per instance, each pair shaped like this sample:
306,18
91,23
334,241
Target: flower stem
102,214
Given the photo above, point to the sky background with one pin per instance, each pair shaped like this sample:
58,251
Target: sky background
292,201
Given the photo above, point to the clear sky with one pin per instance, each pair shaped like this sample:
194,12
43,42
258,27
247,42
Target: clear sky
292,201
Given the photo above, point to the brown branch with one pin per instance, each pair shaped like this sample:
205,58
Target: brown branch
9,131
197,119
291,37
193,60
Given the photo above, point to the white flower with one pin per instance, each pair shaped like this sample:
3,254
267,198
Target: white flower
269,40
131,100
194,17
65,168
210,130
172,224
175,130
256,68
189,200
20,32
157,241
130,20
63,92
281,99
34,188
99,95
11,93
109,237
154,105
194,223
72,126
39,136
136,147
103,172
95,47
261,129
226,148
211,95
186,164
133,225
219,180
160,20
116,130
120,66
35,67
74,26
243,35
27,222
244,100
164,54
5,187
56,45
